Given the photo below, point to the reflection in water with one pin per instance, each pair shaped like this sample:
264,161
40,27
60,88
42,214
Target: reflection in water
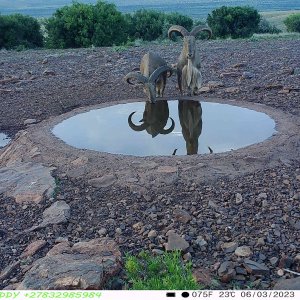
4,140
155,118
222,127
190,117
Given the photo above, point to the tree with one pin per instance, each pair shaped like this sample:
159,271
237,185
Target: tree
18,30
147,24
292,23
235,22
83,25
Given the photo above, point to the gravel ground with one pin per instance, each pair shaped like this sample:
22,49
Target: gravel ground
258,210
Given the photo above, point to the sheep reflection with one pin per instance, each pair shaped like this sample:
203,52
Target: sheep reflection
190,117
155,118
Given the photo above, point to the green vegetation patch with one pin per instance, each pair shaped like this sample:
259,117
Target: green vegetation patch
20,32
235,22
292,23
162,272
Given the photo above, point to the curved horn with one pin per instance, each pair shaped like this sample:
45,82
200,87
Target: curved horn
177,28
159,71
137,76
167,131
200,28
136,127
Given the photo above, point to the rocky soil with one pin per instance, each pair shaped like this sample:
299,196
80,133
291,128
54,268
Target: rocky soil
238,231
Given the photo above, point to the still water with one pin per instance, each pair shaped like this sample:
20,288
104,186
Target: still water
4,140
144,129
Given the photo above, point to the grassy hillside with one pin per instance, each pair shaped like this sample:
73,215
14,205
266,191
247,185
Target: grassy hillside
277,17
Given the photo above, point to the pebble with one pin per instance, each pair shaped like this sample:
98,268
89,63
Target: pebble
118,230
243,251
152,234
238,198
102,231
30,121
229,247
273,261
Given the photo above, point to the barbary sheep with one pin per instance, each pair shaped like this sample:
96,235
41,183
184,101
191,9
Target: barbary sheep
189,64
153,75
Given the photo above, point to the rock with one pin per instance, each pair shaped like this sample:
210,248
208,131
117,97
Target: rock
296,71
45,61
247,75
57,213
102,182
158,252
33,248
187,257
27,182
215,84
80,161
230,74
288,284
152,234
30,121
137,225
182,215
240,271
204,89
176,242
48,72
226,271
238,198
285,262
86,265
9,270
273,261
262,196
118,231
167,169
260,241
239,65
200,241
203,277
102,231
255,268
280,272
232,90
229,247
243,251
284,91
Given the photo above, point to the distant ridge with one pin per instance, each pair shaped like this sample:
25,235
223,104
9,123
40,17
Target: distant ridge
195,9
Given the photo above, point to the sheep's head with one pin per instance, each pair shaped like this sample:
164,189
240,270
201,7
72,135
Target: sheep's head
149,84
189,38
155,118
189,46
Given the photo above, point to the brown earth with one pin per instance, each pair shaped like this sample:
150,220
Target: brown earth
248,197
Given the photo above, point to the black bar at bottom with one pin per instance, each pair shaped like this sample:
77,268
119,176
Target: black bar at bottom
171,295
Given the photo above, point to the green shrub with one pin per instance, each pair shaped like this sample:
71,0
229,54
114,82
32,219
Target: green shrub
110,25
292,23
19,31
146,24
234,22
83,25
176,19
264,26
164,272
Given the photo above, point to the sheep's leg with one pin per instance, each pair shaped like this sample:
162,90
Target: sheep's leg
179,79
